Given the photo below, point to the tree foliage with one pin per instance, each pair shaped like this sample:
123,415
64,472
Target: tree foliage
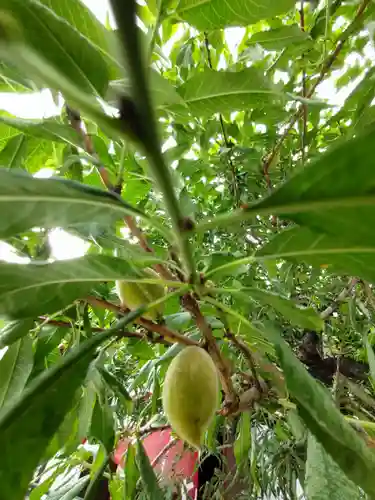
193,138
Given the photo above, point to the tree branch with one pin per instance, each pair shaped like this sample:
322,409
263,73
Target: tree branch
162,330
342,296
327,64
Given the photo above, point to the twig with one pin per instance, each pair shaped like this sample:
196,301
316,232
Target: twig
324,70
231,398
227,143
125,334
146,429
304,88
163,451
76,122
162,330
248,355
342,296
78,125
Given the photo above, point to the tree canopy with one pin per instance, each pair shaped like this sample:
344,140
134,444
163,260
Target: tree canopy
210,176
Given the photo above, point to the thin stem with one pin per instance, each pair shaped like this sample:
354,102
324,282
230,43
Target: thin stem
326,66
162,330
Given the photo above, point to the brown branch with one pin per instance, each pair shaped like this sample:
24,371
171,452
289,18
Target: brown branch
125,334
327,64
78,125
342,296
231,398
246,351
162,330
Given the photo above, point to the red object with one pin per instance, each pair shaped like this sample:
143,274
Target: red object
175,465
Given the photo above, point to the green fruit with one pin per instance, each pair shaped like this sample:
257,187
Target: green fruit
190,393
134,295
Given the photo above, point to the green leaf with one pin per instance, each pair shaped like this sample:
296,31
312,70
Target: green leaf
32,420
131,473
148,476
118,388
15,330
29,202
75,56
279,38
327,197
323,251
93,488
32,289
14,152
324,419
83,20
13,81
15,368
212,92
303,317
324,479
242,444
215,14
102,425
370,359
50,129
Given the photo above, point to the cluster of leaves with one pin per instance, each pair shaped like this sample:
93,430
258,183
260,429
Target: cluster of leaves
257,211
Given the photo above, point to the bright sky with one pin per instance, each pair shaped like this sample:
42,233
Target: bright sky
41,105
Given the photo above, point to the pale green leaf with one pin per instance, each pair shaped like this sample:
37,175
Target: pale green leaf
324,478
15,368
214,14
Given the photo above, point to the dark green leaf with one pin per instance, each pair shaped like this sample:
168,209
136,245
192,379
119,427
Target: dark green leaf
279,38
92,491
75,56
131,473
102,425
32,420
323,251
15,368
328,198
303,317
324,479
32,289
15,330
29,202
118,388
148,476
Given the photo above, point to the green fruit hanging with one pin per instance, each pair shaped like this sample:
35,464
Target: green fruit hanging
190,393
134,295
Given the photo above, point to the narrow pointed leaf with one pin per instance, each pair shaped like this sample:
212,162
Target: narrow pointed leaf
73,54
332,253
15,330
15,368
324,478
33,289
303,317
148,476
30,201
324,420
31,422
50,129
